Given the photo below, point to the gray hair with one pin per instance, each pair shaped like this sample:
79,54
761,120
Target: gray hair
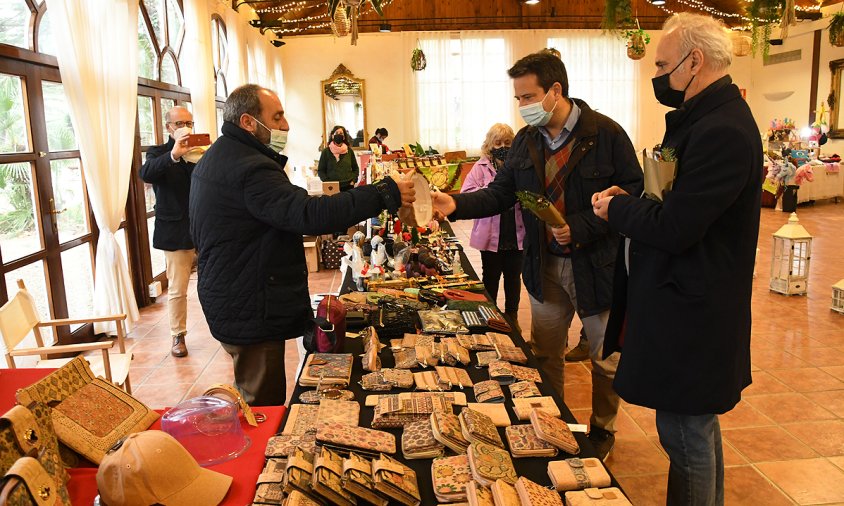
167,115
243,100
704,33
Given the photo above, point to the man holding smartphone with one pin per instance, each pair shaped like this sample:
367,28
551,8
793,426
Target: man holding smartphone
170,175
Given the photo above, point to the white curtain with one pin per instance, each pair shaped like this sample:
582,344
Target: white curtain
236,27
96,42
199,66
600,73
463,90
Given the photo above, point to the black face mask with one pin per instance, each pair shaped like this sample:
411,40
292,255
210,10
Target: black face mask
665,94
339,139
500,153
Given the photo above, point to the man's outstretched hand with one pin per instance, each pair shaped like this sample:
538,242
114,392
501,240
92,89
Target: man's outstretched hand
444,205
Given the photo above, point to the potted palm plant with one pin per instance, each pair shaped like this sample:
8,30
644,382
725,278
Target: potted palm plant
836,29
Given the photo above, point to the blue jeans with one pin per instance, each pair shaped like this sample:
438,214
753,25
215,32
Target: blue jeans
693,444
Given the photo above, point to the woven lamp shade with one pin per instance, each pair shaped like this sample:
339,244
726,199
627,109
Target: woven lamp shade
742,44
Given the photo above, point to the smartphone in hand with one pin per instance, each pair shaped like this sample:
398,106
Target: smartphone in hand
198,140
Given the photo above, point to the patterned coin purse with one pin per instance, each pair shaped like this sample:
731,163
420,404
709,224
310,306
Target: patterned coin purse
477,427
478,495
524,442
523,389
449,476
418,441
488,391
489,463
446,429
283,445
345,438
534,494
553,430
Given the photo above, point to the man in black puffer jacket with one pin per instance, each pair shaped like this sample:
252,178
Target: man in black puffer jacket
566,153
247,221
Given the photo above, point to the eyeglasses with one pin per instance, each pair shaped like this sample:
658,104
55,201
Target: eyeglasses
182,124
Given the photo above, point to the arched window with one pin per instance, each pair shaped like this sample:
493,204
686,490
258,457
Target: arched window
160,35
220,57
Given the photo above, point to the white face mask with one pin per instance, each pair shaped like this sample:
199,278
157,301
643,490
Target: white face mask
536,115
179,131
278,138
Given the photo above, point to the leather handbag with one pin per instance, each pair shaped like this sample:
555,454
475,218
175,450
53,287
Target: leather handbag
89,414
29,431
27,483
328,334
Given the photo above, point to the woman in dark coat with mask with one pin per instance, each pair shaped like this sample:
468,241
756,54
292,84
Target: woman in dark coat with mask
337,161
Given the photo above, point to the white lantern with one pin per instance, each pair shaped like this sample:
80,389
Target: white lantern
790,258
838,297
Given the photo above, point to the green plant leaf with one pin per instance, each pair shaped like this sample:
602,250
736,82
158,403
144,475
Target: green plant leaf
376,4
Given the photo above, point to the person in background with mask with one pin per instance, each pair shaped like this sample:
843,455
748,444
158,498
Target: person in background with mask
337,161
683,302
247,221
379,138
566,153
170,177
499,238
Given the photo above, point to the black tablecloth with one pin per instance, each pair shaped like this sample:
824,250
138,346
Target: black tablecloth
534,468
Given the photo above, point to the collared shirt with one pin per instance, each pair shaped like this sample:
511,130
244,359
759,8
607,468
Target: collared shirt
568,128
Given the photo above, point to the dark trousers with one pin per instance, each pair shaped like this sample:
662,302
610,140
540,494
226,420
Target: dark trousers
509,263
259,372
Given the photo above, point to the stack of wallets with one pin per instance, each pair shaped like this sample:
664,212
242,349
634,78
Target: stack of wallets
553,430
371,347
496,412
297,498
345,438
511,354
397,411
478,495
283,445
493,319
490,463
326,369
486,357
534,494
578,474
327,480
524,442
395,480
476,342
456,398
456,352
387,379
449,476
522,389
270,482
357,479
418,441
314,396
501,372
446,428
488,391
525,405
300,468
479,428
504,494
597,497
521,373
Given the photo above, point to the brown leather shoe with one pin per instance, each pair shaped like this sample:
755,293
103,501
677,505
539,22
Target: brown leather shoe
179,349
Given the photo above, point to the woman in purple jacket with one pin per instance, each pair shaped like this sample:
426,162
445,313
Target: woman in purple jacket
499,238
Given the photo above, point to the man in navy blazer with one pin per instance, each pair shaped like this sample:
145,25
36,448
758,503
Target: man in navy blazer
169,175
681,306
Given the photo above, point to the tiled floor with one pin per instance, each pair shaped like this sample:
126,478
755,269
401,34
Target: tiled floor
783,444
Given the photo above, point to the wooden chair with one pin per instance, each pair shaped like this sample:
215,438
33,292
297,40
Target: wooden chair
19,317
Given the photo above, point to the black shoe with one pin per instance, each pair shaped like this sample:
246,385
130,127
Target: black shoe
579,353
603,441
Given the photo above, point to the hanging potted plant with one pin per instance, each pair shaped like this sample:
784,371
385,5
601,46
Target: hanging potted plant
836,29
343,16
417,60
637,39
763,15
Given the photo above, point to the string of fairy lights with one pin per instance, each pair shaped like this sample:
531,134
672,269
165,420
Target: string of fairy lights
322,21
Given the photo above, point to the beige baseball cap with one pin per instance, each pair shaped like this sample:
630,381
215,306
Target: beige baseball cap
151,467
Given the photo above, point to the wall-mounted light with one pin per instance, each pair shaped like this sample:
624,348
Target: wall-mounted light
278,42
530,2
385,27
658,2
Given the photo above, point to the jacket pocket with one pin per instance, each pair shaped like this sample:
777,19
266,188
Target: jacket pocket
286,294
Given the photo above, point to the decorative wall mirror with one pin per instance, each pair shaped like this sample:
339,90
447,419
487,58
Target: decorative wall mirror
344,103
836,115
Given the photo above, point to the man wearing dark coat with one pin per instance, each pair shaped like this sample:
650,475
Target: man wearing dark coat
247,221
681,310
169,175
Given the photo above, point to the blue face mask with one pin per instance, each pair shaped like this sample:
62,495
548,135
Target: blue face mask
536,115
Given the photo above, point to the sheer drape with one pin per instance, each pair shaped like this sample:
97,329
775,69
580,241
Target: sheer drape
600,73
198,74
464,89
96,42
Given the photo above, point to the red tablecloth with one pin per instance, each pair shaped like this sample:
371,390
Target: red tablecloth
244,469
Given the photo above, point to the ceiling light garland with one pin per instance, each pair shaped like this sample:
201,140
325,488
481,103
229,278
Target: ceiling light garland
293,6
697,4
308,19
